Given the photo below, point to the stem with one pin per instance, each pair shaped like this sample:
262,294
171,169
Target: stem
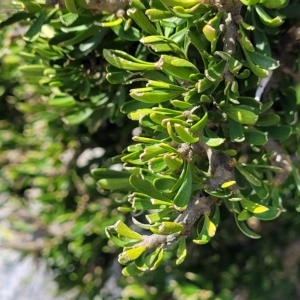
222,170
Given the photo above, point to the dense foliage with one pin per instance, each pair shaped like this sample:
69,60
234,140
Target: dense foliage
169,116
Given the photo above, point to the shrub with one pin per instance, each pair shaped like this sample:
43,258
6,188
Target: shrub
210,99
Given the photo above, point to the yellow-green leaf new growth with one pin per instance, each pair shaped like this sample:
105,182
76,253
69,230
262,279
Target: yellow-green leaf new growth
211,29
152,95
156,14
185,135
183,3
125,61
210,226
253,207
228,184
273,3
125,231
33,70
161,44
113,183
170,227
172,135
200,124
112,23
267,19
181,251
172,161
131,254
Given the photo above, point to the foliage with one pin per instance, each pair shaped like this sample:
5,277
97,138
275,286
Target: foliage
211,142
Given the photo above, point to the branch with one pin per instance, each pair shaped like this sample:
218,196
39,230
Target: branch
230,38
279,159
222,170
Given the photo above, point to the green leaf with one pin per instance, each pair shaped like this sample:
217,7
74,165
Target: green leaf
212,142
125,231
200,124
181,251
253,207
203,237
157,217
164,184
111,23
183,63
245,229
157,164
271,214
250,177
131,270
78,117
236,131
185,135
261,191
280,132
165,64
244,215
244,40
141,20
256,69
263,61
255,137
170,227
34,31
125,61
132,106
268,120
114,183
130,34
71,6
219,194
183,3
145,263
19,16
141,201
91,43
62,101
266,18
33,70
210,226
215,73
68,18
146,187
151,95
181,104
161,44
159,259
130,255
157,15
184,193
239,115
172,161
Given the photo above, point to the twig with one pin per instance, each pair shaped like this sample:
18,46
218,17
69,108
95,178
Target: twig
230,38
221,170
279,159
